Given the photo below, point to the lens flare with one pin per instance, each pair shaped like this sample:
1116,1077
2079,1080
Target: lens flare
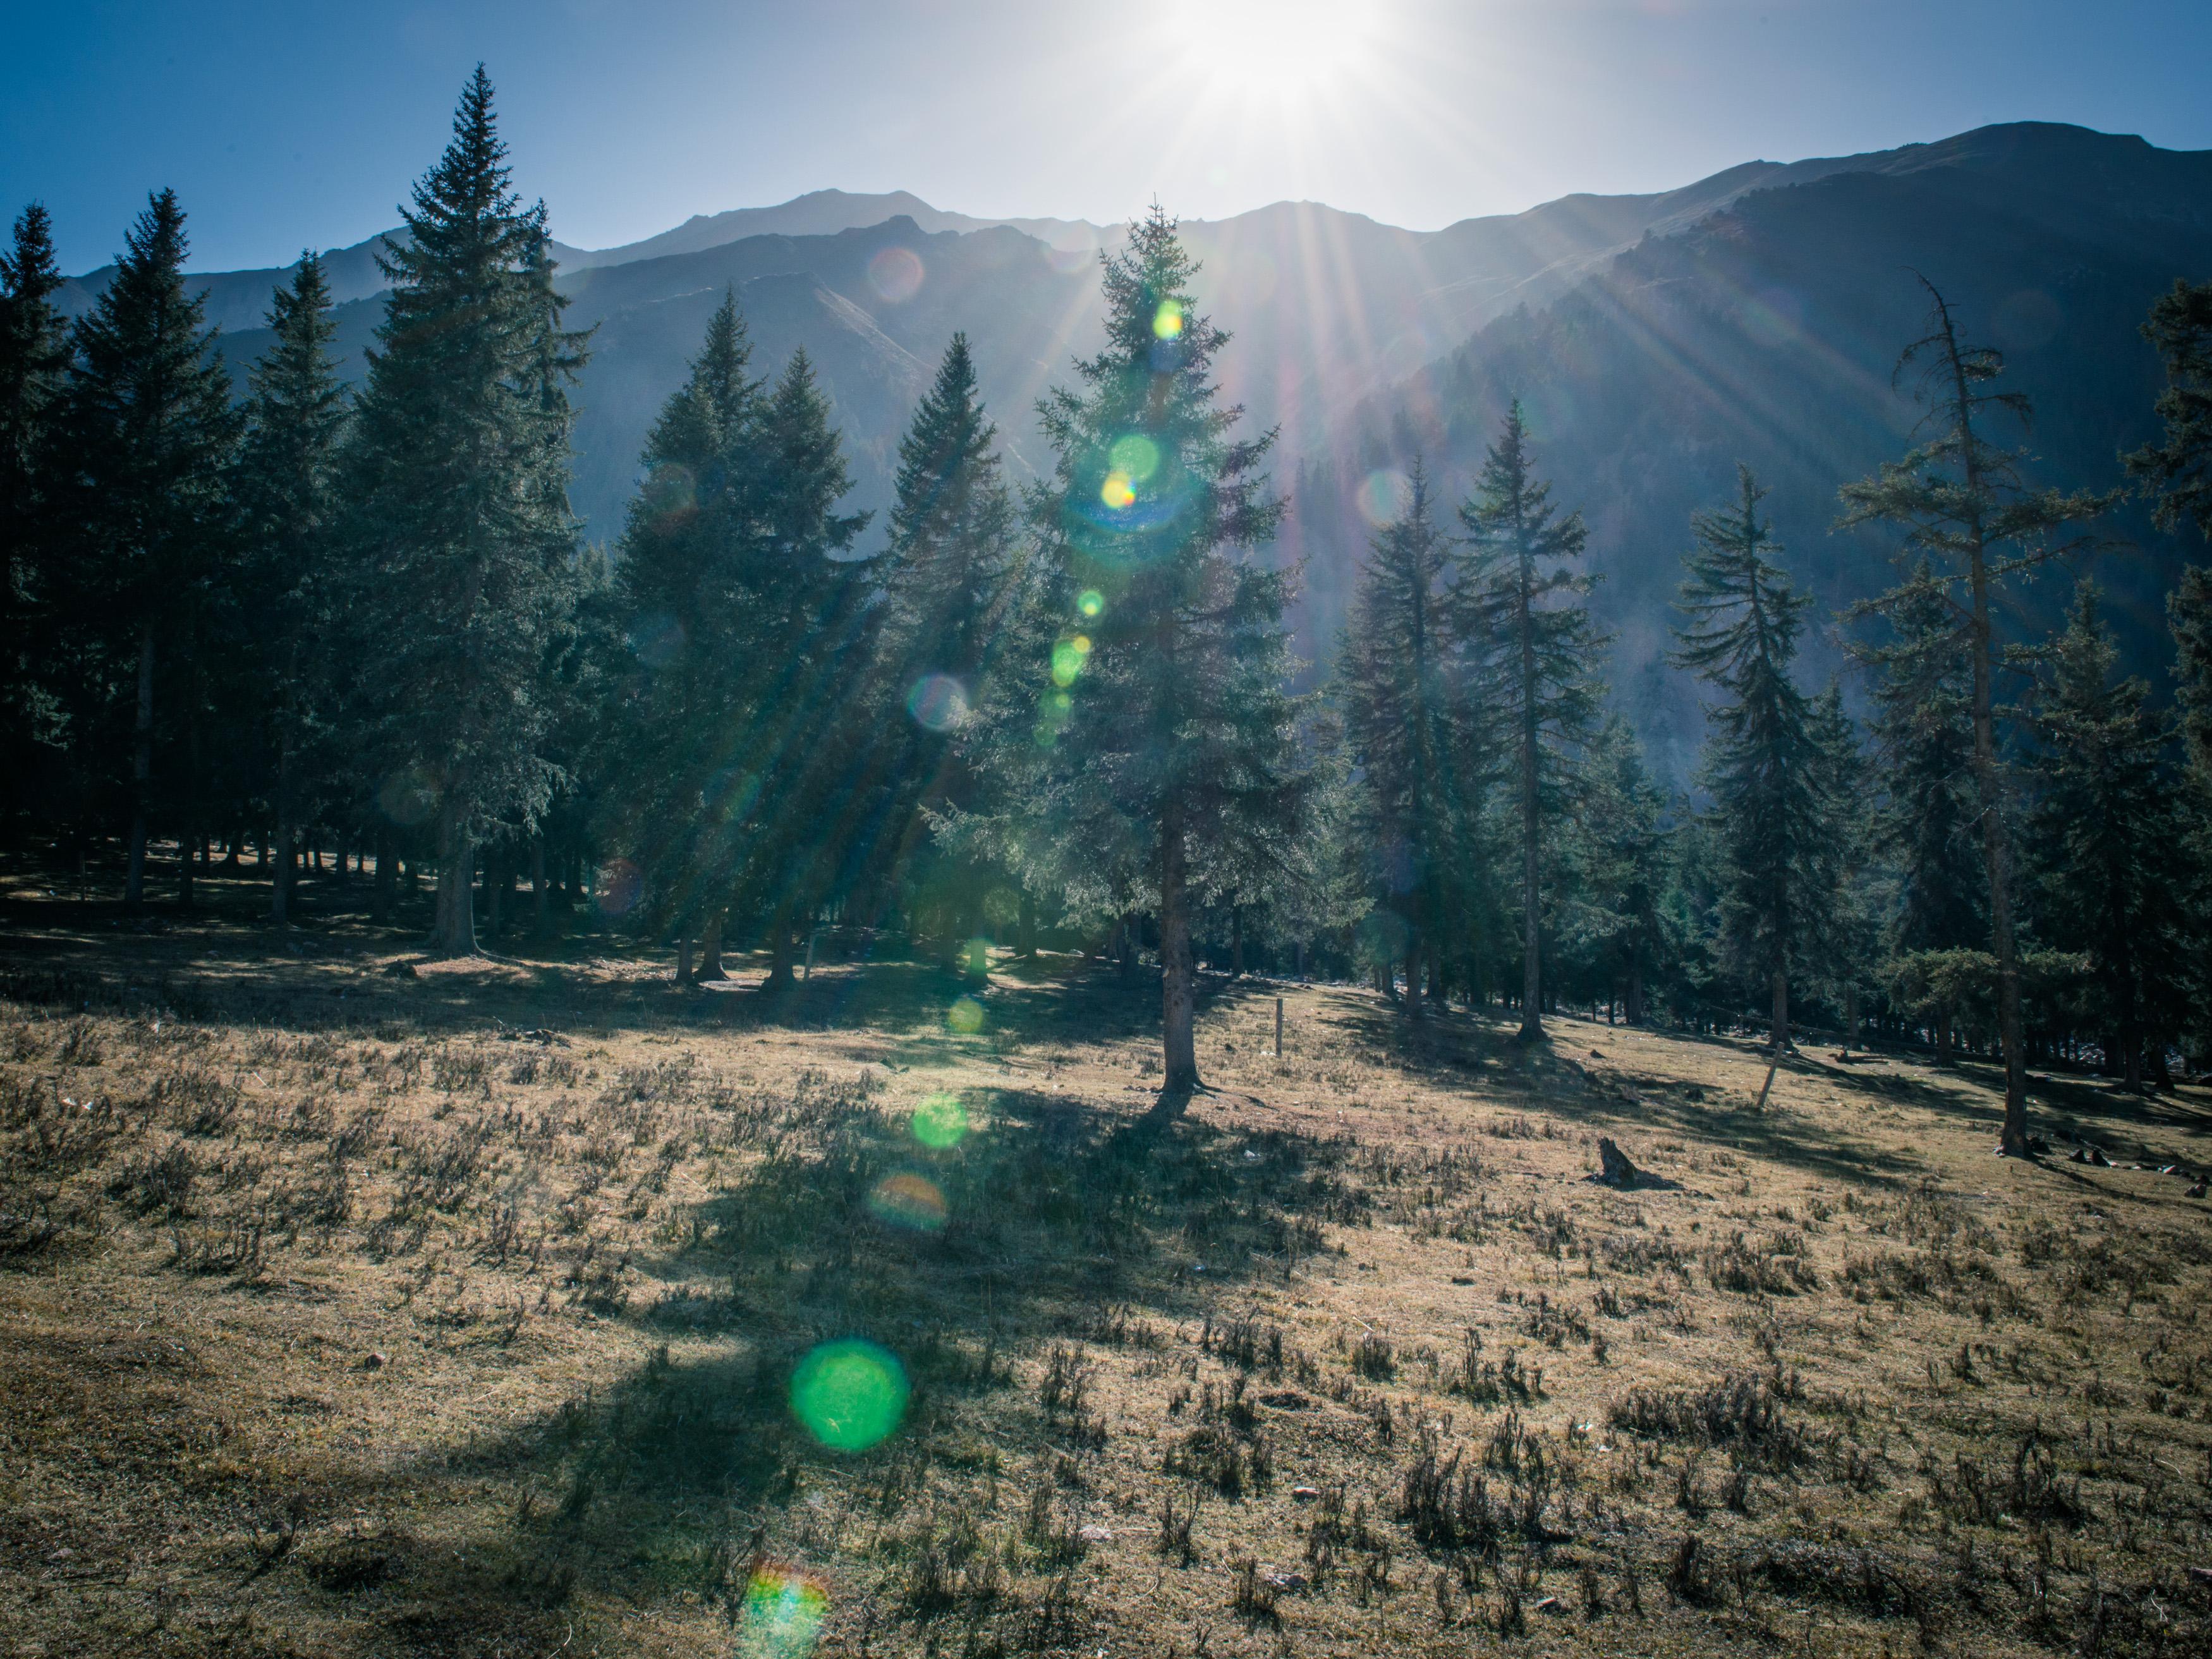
908,1200
1117,492
937,701
1136,455
1167,321
657,639
966,1017
895,273
1090,602
409,796
783,1615
1067,661
975,959
940,1122
1383,494
849,1394
620,886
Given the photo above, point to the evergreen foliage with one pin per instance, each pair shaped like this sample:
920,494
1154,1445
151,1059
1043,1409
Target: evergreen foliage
140,467
288,511
1532,647
952,578
1773,798
2104,838
680,599
463,566
1412,728
287,621
35,358
1958,504
1160,752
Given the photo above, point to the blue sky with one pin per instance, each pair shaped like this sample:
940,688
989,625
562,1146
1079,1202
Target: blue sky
283,126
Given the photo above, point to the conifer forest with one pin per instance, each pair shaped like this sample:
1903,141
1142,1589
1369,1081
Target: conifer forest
1062,1018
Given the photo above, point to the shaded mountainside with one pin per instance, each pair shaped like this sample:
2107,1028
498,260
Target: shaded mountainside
1755,314
1768,332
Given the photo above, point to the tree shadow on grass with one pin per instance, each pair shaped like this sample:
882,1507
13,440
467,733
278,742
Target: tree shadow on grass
1046,1220
1464,1051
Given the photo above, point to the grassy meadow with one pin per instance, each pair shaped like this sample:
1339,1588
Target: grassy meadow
355,1303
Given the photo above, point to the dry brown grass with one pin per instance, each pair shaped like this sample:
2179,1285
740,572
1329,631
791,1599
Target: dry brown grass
338,1316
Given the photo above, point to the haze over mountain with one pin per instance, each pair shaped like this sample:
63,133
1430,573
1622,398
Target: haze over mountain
1658,338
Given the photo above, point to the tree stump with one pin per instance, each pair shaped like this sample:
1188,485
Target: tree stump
1618,1171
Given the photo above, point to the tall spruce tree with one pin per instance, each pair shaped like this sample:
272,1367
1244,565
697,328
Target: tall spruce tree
456,471
1409,720
1924,737
2103,835
1623,853
950,578
288,510
2177,472
1763,766
682,600
800,805
1960,503
147,436
1162,734
1532,645
34,356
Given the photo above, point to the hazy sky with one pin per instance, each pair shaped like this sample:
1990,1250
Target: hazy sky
287,125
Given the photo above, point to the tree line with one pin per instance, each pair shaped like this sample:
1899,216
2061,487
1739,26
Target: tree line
314,621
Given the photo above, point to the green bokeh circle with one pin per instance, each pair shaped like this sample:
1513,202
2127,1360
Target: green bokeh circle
849,1394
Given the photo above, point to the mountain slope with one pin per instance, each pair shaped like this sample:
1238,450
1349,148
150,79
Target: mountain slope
1756,314
1768,332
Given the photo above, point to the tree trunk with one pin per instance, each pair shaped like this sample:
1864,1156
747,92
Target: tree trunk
1178,1004
1532,960
1027,936
1996,848
453,926
1236,941
541,901
779,977
1127,938
142,773
388,877
494,887
1851,1017
1635,999
710,949
1414,1007
280,889
683,957
1779,1037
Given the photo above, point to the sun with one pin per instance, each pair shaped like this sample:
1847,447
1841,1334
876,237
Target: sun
1283,49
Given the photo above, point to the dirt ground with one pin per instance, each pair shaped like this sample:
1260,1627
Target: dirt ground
352,1303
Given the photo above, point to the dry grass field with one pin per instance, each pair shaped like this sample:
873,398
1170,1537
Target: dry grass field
343,1311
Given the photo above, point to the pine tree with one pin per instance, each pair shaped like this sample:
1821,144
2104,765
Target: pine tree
1960,503
1923,734
2176,471
2103,836
34,356
1407,715
681,598
1623,854
1532,642
803,824
457,473
147,433
950,579
1763,766
1163,738
288,513
1841,920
